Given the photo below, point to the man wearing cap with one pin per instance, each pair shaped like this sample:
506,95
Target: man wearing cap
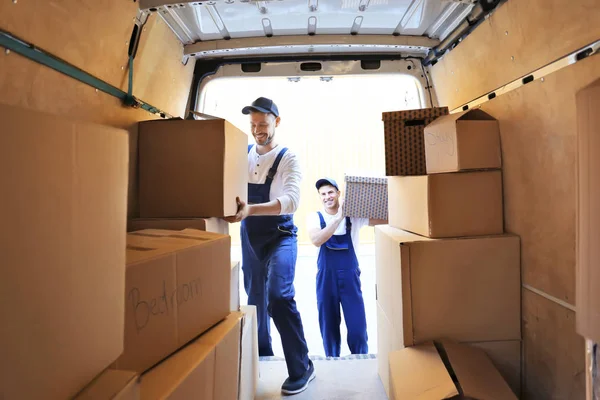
338,276
269,243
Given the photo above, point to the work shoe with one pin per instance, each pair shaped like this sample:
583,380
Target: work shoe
299,385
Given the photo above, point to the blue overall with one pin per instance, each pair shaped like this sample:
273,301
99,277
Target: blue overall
269,252
338,281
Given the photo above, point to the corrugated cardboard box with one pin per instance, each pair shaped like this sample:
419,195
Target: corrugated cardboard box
192,168
447,205
234,298
366,197
216,225
468,290
463,141
205,369
177,287
64,207
249,371
404,140
112,384
427,372
588,212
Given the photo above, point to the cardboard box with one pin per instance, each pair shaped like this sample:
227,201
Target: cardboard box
249,370
191,168
64,207
468,140
588,212
386,343
177,287
216,225
467,290
112,384
404,140
447,205
366,197
234,298
428,371
205,369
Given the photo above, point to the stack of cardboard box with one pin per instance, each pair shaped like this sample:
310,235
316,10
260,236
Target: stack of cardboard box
93,312
445,269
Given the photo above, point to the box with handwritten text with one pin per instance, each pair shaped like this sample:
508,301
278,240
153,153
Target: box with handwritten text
469,140
177,287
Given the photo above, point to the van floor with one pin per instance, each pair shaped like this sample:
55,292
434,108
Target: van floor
347,378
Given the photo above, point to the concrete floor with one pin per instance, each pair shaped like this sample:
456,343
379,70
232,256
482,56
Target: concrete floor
306,299
340,379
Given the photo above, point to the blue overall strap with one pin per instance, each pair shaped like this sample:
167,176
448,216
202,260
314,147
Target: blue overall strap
348,226
273,169
323,224
250,148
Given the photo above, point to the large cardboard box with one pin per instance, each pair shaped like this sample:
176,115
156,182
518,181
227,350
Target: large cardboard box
366,197
64,207
468,140
467,290
445,371
112,384
234,298
177,287
206,369
249,370
447,205
588,212
404,140
216,225
191,168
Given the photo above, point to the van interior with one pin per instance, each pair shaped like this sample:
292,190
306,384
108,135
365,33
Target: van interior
123,149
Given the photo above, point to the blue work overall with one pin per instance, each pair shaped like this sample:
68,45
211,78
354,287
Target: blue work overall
338,281
269,252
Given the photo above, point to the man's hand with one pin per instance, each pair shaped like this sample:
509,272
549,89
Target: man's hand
242,212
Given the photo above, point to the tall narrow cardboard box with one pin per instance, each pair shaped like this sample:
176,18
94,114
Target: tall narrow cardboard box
64,208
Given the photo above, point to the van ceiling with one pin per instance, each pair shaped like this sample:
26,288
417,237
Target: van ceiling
251,28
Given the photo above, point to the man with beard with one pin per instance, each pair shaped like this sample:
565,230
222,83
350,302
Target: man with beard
338,276
270,244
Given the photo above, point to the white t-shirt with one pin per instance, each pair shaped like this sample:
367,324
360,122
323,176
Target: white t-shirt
313,221
286,183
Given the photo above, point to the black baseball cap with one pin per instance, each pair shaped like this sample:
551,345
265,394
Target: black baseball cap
263,105
326,181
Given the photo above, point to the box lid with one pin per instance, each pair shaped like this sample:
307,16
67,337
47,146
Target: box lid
422,113
366,179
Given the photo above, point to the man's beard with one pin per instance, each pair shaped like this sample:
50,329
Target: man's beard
268,141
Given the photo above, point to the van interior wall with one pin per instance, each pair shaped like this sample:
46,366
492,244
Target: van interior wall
539,138
94,35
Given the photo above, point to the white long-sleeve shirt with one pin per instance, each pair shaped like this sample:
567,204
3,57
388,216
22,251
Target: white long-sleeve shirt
286,183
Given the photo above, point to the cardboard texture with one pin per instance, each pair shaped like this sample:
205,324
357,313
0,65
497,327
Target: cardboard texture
404,140
506,357
468,140
112,384
205,369
386,343
234,298
177,287
249,370
366,197
467,290
191,168
588,212
426,372
64,208
216,225
447,205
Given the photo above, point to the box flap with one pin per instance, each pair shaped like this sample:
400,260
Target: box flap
469,115
401,236
477,377
419,372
